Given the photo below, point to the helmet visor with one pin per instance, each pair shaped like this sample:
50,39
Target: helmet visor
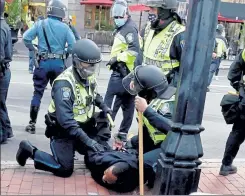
131,85
118,10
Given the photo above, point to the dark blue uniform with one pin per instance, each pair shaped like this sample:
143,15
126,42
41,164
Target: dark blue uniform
65,136
52,54
116,96
98,162
6,52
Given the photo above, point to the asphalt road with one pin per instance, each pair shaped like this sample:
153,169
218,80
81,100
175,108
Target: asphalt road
20,94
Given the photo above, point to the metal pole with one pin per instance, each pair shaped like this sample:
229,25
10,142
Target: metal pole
177,169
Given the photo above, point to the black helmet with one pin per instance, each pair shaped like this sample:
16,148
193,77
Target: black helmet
85,51
164,4
56,8
149,81
2,4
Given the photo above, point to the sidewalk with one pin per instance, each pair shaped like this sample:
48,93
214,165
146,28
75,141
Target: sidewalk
17,180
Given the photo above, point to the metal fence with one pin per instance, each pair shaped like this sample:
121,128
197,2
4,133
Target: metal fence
104,39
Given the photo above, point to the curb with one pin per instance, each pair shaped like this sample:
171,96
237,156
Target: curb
206,163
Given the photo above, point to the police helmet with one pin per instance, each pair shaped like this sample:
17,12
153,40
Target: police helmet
2,4
164,4
85,51
220,28
150,80
56,8
119,8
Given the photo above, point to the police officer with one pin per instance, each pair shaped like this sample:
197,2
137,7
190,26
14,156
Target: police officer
118,170
237,135
73,29
71,120
220,52
156,101
164,39
123,60
51,53
6,53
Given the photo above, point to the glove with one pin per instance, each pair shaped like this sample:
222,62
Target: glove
236,85
95,146
112,63
106,109
225,56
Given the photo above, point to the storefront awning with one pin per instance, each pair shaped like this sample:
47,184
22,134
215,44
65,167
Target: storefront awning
233,11
228,20
97,2
139,8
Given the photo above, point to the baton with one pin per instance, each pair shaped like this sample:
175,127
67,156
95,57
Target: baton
110,120
141,156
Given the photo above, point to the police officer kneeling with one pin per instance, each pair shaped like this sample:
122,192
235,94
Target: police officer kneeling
71,120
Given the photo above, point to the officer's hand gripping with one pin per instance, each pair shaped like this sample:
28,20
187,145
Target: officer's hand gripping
112,63
95,146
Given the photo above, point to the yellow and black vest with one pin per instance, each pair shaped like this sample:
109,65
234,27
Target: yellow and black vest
165,106
82,110
157,48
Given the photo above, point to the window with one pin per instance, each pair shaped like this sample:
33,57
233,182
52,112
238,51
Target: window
88,17
95,15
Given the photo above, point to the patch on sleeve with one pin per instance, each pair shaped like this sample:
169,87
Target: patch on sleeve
66,93
129,38
182,43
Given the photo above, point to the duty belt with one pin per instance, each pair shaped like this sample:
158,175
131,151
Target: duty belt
45,56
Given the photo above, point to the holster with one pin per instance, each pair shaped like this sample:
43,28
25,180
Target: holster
52,128
121,68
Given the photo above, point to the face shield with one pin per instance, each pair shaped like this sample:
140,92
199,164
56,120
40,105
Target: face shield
131,84
84,70
118,11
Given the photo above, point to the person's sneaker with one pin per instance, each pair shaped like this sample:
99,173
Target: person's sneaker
226,170
216,77
31,128
24,152
30,72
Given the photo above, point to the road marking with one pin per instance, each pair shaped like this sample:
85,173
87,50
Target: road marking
31,83
220,86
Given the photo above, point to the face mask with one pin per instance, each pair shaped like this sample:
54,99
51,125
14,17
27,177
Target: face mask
152,17
120,22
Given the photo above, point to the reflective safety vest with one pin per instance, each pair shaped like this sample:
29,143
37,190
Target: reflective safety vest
83,107
157,48
163,107
120,50
243,55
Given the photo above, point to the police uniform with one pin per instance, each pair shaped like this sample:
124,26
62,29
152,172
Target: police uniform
30,23
72,124
163,46
51,59
125,49
6,53
237,135
220,50
71,111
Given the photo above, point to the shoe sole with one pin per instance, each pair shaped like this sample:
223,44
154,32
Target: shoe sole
223,173
29,131
28,154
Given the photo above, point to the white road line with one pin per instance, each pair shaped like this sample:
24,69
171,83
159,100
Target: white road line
31,83
220,86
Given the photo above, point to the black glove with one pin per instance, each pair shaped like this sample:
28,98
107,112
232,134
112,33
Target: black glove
95,146
225,56
112,63
106,109
236,85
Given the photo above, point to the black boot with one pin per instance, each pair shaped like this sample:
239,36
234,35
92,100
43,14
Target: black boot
25,151
31,128
225,170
